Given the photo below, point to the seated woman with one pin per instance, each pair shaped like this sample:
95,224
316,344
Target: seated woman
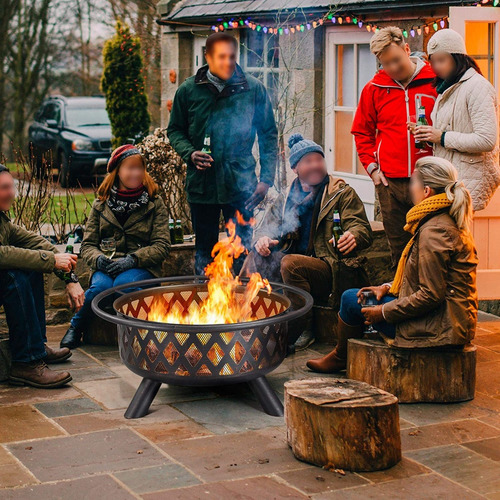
433,299
130,216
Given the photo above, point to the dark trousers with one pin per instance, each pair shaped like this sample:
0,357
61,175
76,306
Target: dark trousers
205,218
22,296
395,202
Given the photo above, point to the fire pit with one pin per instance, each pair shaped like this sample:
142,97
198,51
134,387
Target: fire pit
200,354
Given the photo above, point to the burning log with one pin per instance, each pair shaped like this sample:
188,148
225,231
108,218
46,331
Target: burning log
342,424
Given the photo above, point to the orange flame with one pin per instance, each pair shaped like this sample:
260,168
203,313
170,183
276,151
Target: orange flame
224,303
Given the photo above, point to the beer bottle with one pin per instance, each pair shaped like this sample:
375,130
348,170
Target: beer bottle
172,231
206,145
421,120
179,232
337,228
70,248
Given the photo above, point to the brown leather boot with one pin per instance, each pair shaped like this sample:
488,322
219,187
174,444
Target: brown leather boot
37,374
337,359
56,355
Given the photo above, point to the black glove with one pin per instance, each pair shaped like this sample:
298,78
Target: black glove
121,265
102,263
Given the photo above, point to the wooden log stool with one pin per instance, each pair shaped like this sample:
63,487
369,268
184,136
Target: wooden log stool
100,332
434,375
325,324
342,424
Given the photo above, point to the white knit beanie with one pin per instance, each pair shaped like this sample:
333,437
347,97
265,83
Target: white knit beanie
446,41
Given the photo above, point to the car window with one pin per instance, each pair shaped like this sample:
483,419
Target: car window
51,111
87,117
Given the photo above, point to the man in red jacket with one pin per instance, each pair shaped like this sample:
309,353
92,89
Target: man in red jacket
385,145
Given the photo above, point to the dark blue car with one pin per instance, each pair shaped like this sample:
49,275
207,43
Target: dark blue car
74,135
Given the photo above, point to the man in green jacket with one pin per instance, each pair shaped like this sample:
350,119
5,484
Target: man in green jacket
294,241
24,257
215,118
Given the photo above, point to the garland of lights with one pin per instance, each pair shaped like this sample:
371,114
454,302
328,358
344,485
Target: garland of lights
334,19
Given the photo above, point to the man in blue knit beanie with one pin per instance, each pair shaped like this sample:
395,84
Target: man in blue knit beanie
294,241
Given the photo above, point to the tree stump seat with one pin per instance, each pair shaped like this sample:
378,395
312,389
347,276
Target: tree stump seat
325,324
420,375
342,424
100,332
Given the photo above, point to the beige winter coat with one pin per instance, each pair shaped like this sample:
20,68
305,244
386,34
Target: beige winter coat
467,111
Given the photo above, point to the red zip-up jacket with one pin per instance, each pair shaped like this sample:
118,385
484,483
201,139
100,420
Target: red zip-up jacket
380,124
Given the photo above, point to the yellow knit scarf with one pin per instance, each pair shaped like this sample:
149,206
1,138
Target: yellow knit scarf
413,218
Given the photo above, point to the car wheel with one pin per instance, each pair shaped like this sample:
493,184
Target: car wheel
66,177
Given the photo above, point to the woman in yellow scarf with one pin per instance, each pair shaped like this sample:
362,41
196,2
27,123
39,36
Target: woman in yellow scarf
433,299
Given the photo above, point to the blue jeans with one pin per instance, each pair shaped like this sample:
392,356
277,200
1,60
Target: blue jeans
350,312
22,296
99,283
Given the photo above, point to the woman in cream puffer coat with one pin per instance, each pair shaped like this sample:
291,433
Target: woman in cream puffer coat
465,119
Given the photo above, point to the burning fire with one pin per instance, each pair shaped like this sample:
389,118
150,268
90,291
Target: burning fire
223,304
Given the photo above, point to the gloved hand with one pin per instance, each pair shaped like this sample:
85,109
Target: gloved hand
121,265
102,263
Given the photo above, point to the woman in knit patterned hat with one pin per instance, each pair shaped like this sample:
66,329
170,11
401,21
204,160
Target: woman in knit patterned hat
465,120
128,210
433,299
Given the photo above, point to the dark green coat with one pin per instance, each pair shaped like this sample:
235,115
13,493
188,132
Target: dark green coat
232,117
25,250
145,234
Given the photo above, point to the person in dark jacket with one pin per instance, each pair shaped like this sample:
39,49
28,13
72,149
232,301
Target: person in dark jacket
24,258
294,241
432,301
129,215
221,110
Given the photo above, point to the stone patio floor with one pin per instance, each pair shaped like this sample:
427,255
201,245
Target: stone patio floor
74,443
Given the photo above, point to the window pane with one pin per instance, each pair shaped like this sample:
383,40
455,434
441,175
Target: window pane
344,92
366,66
273,52
272,87
479,40
343,141
255,41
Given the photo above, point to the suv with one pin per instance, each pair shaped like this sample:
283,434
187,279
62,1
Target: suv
74,133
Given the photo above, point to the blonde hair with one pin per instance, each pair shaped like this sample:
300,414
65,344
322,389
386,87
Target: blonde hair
440,175
386,37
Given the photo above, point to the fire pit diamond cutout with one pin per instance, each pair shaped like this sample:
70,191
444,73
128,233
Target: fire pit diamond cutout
193,355
203,371
237,352
226,370
160,336
161,368
204,337
181,337
152,351
256,349
171,353
227,337
136,347
215,354
182,371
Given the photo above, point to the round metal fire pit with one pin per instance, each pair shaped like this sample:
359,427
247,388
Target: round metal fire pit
199,355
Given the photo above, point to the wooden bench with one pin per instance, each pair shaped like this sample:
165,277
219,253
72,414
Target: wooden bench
100,332
342,424
435,375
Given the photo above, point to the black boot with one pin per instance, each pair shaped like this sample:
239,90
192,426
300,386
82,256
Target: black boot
72,339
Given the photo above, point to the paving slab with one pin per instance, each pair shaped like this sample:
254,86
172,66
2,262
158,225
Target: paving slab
23,422
234,456
489,448
150,479
83,455
262,488
13,395
462,465
79,489
68,407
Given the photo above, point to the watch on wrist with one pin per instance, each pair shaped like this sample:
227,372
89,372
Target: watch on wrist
71,278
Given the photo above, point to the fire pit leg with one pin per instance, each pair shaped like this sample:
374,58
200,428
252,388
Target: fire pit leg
266,396
143,398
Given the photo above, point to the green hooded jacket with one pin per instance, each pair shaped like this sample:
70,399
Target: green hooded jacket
145,234
25,250
232,118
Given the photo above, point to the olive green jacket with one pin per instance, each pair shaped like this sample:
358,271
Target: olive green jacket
145,235
25,250
337,196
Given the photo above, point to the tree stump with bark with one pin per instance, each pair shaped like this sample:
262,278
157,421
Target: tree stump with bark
342,424
435,375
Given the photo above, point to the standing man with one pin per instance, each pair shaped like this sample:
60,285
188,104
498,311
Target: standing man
385,145
215,117
24,258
